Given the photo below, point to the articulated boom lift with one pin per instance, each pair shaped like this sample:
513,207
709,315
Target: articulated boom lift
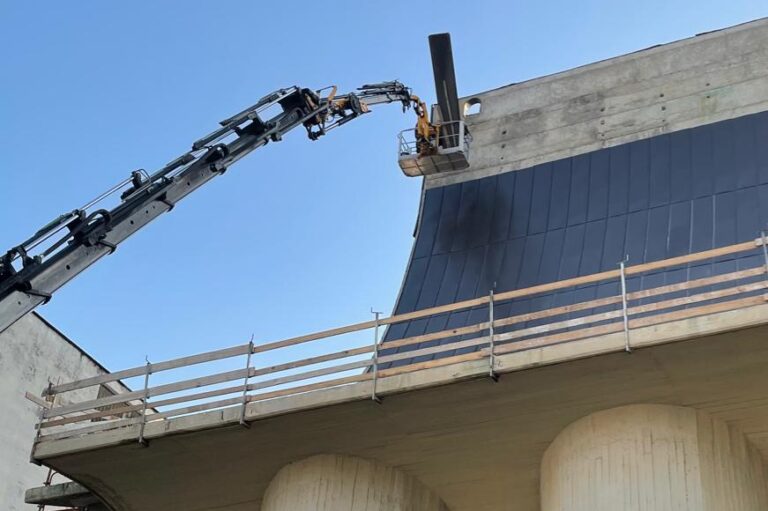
32,271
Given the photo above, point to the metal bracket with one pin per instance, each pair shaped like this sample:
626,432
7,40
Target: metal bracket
168,203
245,384
374,397
42,294
111,246
624,311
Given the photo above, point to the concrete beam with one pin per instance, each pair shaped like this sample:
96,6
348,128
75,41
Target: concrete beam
64,494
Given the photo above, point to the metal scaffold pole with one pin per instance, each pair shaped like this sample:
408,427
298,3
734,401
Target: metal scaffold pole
145,399
376,316
491,340
764,241
624,309
245,383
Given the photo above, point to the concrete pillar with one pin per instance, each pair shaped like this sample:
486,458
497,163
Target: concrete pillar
651,458
331,482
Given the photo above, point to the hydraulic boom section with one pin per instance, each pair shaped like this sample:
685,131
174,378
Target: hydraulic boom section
33,270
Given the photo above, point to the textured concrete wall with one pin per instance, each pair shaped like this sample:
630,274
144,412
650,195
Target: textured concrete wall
713,77
31,353
651,458
335,482
733,474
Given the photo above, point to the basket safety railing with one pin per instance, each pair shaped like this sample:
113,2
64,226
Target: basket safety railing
620,301
451,136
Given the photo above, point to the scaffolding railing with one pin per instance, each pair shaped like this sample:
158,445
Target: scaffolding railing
356,361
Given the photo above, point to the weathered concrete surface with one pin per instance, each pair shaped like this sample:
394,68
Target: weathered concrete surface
331,482
652,458
68,494
712,77
477,444
32,352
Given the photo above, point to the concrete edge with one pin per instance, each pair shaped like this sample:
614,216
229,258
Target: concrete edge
70,494
452,178
642,52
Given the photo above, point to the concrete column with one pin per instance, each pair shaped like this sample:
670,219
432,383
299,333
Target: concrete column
651,458
331,482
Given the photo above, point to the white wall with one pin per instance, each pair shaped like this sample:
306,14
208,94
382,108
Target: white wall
31,353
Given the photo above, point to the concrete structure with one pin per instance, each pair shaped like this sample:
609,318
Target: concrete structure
332,482
651,457
477,444
621,401
32,354
671,87
650,155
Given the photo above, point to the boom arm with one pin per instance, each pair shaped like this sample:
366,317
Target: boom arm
32,271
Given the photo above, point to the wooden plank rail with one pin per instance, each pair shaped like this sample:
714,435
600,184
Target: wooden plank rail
435,349
314,360
308,375
606,316
138,407
567,309
519,293
636,323
690,284
741,289
99,426
213,393
160,366
152,391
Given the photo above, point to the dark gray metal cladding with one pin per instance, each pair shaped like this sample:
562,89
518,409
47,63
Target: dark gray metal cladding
652,199
445,84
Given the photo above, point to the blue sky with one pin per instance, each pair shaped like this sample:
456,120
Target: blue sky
301,235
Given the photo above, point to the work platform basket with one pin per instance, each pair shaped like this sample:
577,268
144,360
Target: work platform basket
450,153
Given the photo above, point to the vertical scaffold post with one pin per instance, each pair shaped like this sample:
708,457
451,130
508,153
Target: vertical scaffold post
374,397
491,340
145,399
245,384
50,397
624,311
764,241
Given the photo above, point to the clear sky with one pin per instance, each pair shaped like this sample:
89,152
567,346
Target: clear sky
300,235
